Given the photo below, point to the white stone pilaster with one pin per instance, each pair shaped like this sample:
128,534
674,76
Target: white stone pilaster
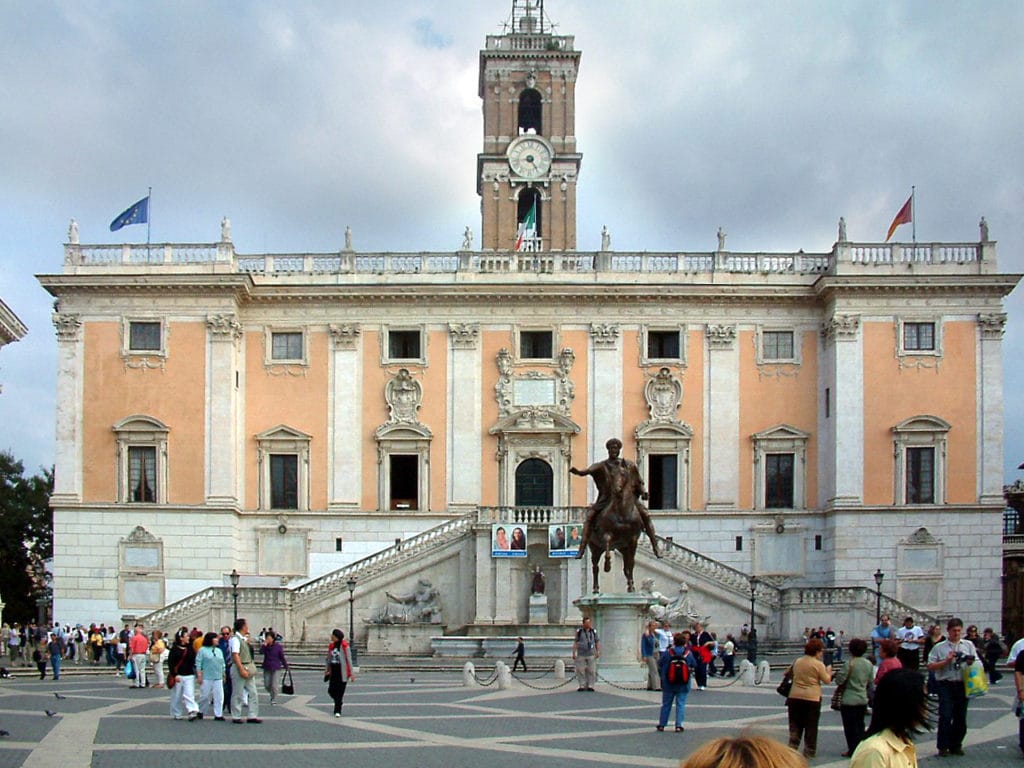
344,427
503,609
845,343
990,408
605,399
70,398
485,572
223,333
465,416
723,417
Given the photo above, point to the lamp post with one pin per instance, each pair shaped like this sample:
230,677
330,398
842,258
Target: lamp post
234,592
752,633
878,596
351,584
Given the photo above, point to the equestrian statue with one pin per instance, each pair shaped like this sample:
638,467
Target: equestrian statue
617,517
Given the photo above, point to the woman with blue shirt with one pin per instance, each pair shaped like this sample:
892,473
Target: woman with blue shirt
210,668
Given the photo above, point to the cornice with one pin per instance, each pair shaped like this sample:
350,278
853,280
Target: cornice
828,286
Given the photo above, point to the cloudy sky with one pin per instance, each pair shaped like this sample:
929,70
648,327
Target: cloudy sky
297,119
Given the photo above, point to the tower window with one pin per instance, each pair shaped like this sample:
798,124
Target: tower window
529,111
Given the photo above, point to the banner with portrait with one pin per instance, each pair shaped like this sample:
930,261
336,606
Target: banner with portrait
563,539
508,540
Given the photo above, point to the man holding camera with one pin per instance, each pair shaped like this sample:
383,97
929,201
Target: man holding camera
947,660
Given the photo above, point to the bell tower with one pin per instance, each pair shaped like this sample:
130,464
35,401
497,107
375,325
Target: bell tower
527,170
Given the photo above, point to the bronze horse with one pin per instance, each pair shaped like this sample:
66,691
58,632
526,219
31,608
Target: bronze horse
618,526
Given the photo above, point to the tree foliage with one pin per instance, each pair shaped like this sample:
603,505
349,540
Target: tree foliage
26,537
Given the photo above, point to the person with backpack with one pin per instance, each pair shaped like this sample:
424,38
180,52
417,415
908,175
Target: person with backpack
676,667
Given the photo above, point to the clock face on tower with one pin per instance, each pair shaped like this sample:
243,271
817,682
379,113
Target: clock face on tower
529,157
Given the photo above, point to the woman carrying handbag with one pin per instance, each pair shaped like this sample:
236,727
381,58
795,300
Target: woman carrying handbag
339,669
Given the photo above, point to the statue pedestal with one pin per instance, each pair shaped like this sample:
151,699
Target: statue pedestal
538,609
619,621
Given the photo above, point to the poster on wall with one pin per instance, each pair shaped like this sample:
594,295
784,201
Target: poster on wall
563,540
508,540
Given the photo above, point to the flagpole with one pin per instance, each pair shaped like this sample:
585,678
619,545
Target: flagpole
913,218
149,215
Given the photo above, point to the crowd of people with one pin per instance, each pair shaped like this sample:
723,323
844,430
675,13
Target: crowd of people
208,674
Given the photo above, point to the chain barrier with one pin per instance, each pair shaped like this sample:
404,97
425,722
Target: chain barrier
490,681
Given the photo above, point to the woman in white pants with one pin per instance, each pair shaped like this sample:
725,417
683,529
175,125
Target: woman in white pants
210,676
182,665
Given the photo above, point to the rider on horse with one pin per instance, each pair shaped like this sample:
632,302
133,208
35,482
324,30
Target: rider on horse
603,473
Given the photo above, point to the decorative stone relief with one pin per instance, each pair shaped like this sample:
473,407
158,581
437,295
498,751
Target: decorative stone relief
68,327
140,535
663,393
403,394
841,328
344,335
993,325
604,335
224,326
721,336
464,335
920,536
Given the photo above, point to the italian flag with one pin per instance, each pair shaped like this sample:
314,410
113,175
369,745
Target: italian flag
528,226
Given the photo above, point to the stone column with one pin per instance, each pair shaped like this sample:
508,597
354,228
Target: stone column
990,408
723,417
844,347
344,427
465,409
605,399
68,445
222,445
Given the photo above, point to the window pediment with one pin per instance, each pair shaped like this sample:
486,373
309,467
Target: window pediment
283,432
535,420
919,424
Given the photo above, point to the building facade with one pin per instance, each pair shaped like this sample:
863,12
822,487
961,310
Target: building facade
806,418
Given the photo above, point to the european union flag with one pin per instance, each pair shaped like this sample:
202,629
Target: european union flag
137,214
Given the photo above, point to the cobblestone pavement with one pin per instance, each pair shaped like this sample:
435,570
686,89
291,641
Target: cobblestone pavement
425,719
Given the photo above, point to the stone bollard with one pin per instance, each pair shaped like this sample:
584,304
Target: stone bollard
746,674
559,670
468,674
504,676
764,672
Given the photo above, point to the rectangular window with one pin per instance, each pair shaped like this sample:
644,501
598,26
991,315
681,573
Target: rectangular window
920,475
535,345
143,336
919,337
284,481
818,542
739,543
828,402
777,345
142,474
405,481
286,345
778,481
337,545
663,345
404,345
663,481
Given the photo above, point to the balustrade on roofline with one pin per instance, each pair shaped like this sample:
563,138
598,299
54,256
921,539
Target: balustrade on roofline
532,262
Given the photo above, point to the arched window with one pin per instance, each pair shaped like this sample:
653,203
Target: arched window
532,235
534,484
529,112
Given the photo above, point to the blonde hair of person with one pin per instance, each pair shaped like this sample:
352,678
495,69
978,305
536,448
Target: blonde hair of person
744,751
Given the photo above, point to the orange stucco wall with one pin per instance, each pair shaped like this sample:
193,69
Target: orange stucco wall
892,394
289,395
769,400
175,395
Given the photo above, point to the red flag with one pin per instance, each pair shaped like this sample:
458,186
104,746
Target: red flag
905,216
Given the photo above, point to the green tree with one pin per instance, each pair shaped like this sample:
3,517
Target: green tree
26,536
